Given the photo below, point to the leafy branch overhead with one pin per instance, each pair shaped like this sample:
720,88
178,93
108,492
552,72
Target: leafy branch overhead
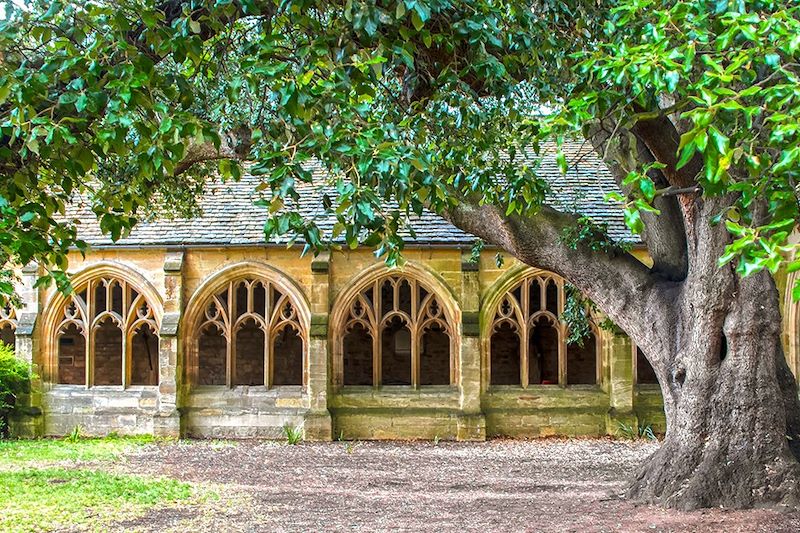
410,105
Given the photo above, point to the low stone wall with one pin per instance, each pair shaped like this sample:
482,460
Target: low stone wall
243,412
544,410
649,407
99,410
396,413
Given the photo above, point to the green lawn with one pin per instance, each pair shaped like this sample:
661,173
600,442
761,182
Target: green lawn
48,451
43,486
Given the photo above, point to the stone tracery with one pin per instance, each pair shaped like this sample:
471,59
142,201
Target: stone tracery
107,334
396,332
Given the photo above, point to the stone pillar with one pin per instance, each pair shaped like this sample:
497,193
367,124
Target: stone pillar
317,424
29,421
167,421
618,351
472,422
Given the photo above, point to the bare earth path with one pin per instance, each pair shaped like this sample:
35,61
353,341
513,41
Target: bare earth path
545,485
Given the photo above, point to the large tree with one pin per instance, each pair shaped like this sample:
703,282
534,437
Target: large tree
429,104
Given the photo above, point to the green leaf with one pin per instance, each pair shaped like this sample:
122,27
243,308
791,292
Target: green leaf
417,21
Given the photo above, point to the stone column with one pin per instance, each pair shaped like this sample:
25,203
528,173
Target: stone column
472,422
317,424
29,421
167,421
618,351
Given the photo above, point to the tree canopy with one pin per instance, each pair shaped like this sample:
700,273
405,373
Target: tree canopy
427,103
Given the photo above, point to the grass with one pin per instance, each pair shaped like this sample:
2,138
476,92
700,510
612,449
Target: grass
294,435
20,452
42,490
58,498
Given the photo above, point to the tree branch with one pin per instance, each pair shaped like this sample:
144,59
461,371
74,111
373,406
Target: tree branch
664,234
662,139
620,284
234,144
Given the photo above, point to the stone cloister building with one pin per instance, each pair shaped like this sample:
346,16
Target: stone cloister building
199,328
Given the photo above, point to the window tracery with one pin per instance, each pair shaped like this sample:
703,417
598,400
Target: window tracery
107,334
250,333
396,332
527,343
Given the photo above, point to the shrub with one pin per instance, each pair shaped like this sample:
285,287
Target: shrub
15,379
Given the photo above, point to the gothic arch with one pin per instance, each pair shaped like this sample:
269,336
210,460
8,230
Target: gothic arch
253,300
416,308
524,305
129,303
8,324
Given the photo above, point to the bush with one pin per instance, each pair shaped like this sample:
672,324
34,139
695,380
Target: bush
15,379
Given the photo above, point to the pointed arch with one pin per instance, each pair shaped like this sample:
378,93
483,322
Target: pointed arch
236,318
106,292
390,324
523,338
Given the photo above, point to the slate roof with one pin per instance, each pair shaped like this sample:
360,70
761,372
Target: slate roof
229,217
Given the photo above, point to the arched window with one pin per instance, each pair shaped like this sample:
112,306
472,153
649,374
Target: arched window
8,324
107,334
250,333
527,342
396,333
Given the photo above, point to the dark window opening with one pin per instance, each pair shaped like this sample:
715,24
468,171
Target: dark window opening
552,297
72,356
644,372
212,348
7,335
108,354
582,362
543,354
434,357
396,352
249,354
357,355
144,357
505,356
287,354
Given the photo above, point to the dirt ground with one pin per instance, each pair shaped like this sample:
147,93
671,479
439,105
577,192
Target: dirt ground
544,485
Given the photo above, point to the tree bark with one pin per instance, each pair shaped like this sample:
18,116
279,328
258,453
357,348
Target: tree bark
731,406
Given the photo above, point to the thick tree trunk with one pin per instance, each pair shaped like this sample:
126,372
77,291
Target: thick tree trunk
733,436
714,340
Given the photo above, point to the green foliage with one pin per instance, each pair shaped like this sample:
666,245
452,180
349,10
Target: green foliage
294,435
728,68
15,379
630,432
407,104
577,315
586,232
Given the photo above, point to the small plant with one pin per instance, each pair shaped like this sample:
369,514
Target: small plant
294,435
646,432
340,438
627,431
630,432
350,447
74,435
436,440
15,379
